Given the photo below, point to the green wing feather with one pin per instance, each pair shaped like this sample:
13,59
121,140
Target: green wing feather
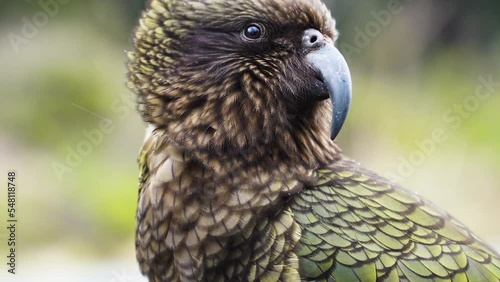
358,226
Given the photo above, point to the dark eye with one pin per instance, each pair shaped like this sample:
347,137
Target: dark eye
252,32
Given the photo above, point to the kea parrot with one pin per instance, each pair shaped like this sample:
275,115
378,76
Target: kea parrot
240,179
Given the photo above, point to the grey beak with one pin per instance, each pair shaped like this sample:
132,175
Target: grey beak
332,67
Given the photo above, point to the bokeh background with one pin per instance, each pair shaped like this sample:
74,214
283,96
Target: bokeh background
416,117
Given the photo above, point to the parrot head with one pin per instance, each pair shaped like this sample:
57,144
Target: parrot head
232,76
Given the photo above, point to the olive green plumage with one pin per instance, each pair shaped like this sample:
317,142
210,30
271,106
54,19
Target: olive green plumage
239,180
357,226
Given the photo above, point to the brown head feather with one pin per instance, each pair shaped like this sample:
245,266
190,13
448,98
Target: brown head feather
216,94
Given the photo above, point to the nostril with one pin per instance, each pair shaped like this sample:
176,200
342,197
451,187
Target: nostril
312,39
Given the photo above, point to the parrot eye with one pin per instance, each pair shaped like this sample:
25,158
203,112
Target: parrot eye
252,32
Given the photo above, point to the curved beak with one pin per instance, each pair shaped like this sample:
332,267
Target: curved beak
334,72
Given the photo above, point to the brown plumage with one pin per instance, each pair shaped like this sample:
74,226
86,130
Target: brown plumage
230,106
215,93
237,134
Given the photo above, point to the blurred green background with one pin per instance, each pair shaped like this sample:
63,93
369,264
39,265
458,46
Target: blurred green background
426,112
